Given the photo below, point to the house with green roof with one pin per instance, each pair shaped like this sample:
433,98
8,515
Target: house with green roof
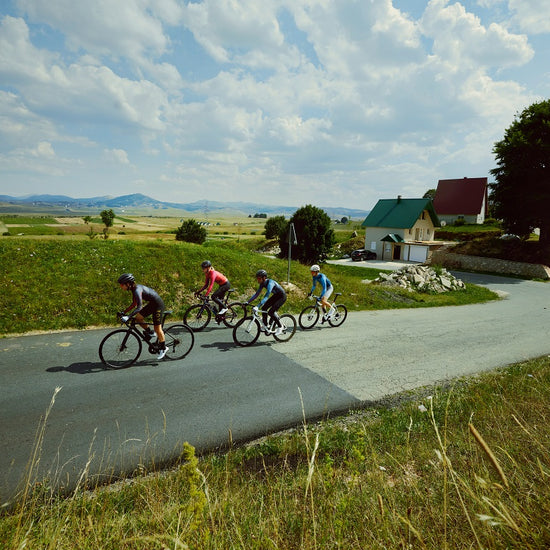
401,229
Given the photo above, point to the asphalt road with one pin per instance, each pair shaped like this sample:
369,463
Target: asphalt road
109,423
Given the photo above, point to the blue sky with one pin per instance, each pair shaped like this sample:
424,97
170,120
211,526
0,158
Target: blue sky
286,102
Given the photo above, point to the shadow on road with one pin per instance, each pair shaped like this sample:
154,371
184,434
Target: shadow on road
91,368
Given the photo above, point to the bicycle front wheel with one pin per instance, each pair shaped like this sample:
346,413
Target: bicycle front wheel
179,341
197,317
246,331
120,349
339,315
235,312
308,317
289,328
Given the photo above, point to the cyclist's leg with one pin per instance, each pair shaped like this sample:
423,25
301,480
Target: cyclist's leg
219,294
156,310
324,299
273,308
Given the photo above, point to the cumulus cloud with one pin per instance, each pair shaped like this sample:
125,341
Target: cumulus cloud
352,99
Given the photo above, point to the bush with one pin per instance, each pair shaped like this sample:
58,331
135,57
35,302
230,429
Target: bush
191,231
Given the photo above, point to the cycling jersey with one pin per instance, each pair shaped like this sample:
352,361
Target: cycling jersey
323,280
213,276
143,293
271,288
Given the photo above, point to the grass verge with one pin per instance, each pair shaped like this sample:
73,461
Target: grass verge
462,466
55,284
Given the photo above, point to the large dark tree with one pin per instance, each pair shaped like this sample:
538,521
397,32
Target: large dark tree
314,235
521,193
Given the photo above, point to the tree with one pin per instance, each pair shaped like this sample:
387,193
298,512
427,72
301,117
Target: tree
314,235
107,217
275,226
191,231
344,220
429,194
521,193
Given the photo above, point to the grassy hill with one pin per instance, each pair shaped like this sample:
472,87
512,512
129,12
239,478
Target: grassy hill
60,283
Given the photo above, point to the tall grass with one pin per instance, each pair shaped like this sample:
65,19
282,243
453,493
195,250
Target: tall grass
464,466
52,284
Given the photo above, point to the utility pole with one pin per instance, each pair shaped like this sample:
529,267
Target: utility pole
291,240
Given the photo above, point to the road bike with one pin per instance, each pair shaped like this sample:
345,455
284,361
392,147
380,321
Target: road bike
122,347
335,316
248,330
198,316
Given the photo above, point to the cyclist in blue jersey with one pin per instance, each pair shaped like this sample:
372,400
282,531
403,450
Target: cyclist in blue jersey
326,288
154,307
275,297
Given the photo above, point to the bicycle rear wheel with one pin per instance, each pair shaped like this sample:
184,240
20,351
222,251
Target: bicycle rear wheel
289,328
246,331
339,315
179,341
308,317
197,317
120,349
235,312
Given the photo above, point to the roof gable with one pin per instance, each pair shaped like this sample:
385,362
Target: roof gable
399,213
461,196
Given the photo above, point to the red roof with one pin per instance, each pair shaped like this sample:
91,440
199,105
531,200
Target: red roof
461,196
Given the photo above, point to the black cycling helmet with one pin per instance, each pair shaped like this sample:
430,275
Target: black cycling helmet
206,263
261,273
126,278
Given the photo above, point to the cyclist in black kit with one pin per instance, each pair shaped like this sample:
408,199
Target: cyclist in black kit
154,307
275,297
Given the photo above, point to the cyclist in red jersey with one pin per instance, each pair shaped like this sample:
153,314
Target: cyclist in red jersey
212,276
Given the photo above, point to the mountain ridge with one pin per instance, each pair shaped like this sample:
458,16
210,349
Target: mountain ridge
139,200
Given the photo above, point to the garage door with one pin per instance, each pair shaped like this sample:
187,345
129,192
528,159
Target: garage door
418,253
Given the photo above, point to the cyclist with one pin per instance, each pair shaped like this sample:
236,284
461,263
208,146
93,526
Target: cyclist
212,276
275,297
154,307
326,289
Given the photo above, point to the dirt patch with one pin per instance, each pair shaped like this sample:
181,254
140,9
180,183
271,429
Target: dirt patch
517,251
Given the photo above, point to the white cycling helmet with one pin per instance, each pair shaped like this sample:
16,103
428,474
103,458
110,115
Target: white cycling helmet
315,267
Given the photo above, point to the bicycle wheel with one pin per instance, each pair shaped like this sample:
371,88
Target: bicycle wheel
289,324
246,331
308,317
235,312
179,341
120,349
197,317
339,316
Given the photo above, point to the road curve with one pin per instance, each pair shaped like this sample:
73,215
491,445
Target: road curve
109,423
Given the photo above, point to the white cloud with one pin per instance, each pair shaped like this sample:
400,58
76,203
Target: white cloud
353,99
118,156
531,15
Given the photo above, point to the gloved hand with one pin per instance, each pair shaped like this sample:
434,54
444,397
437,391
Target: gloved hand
255,309
124,318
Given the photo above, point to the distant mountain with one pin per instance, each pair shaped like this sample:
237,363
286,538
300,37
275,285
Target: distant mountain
138,201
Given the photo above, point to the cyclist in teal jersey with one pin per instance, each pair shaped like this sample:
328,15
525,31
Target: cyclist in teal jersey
275,297
326,288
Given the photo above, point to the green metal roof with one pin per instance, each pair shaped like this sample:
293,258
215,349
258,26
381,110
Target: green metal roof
392,238
399,213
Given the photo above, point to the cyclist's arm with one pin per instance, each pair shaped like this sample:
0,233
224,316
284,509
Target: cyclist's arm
268,290
250,300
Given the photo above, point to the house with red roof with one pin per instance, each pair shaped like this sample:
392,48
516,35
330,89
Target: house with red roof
461,199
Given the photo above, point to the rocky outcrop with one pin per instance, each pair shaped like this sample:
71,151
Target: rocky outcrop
421,278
